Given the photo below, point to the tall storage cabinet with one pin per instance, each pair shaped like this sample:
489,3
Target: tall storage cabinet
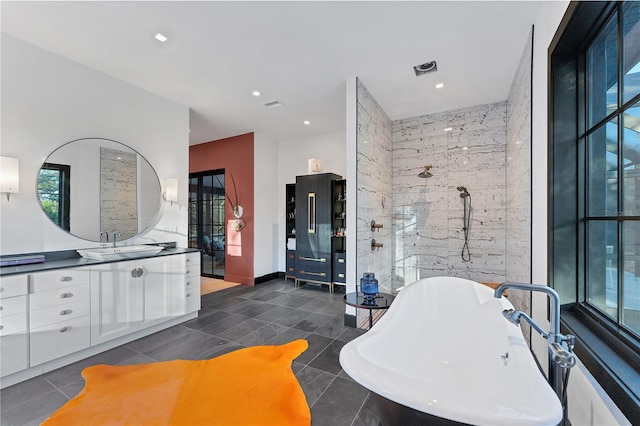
315,230
290,197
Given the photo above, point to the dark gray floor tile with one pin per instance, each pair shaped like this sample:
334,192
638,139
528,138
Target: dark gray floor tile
289,335
329,359
34,410
351,333
239,331
72,372
267,295
202,321
297,301
275,313
292,318
296,367
335,307
344,375
231,320
316,345
225,349
339,403
193,346
138,359
368,414
160,338
332,328
254,311
262,335
312,322
23,392
314,304
72,389
234,308
314,382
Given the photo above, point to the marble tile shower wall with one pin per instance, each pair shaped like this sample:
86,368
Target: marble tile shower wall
428,213
374,197
518,180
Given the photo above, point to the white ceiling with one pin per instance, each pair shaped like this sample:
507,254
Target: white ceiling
298,52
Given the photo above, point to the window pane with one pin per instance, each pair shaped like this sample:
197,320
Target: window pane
602,279
631,153
631,49
603,73
631,276
49,193
602,163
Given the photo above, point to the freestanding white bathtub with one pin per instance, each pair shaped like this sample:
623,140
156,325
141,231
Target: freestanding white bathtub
444,349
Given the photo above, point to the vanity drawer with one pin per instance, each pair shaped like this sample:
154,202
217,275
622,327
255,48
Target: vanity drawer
13,285
13,305
184,302
60,296
186,283
60,339
44,281
313,271
12,324
55,314
184,262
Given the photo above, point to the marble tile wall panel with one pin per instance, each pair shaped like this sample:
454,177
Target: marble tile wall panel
118,193
374,185
518,178
427,220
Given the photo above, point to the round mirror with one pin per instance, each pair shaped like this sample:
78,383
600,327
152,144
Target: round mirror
93,188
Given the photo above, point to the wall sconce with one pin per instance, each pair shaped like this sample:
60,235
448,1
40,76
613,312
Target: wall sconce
9,176
171,190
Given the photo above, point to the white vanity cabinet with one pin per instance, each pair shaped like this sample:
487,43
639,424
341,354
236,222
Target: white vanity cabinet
13,324
185,284
59,320
127,296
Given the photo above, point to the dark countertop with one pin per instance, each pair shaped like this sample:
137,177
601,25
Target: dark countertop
71,259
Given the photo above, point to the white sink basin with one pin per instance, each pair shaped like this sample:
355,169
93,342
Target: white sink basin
116,253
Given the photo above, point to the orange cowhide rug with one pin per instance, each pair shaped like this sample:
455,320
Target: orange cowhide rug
252,386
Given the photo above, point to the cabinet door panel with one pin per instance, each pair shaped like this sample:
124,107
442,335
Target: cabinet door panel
60,339
116,301
156,290
14,352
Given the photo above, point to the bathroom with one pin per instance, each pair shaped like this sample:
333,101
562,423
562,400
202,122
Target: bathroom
496,174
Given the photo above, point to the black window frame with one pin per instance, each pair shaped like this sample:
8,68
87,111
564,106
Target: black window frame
608,350
64,194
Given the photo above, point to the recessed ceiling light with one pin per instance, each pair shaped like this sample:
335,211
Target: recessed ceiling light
448,129
306,122
427,67
161,38
465,148
439,85
255,93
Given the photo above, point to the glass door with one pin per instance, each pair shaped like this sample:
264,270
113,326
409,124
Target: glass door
207,220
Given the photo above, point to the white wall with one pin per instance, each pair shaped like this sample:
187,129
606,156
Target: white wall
292,161
47,101
588,404
267,207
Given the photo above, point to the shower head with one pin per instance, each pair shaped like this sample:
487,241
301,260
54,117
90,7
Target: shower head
425,173
463,191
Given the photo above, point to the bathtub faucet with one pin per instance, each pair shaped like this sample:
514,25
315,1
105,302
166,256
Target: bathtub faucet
558,356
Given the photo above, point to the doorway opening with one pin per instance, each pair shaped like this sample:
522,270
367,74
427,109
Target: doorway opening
207,229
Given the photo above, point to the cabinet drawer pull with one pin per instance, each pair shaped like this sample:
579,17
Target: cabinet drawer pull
188,271
291,269
64,329
66,312
1,308
1,327
137,272
314,259
188,295
317,274
1,289
340,260
66,295
66,278
188,260
340,275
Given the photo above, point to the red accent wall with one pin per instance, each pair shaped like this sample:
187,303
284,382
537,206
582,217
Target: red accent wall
235,156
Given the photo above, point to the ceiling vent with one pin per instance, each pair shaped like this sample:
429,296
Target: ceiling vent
273,104
425,68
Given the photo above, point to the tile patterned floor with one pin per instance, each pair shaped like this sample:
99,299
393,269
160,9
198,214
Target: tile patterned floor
271,313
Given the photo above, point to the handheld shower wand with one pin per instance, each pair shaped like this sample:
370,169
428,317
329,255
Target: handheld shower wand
466,222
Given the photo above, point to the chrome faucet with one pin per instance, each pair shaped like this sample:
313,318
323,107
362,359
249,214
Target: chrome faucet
558,356
106,236
115,238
